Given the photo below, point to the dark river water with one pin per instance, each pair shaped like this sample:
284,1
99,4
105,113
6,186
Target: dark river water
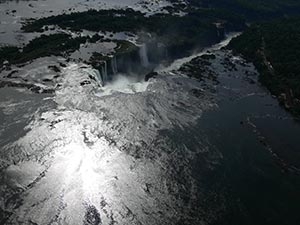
256,180
173,150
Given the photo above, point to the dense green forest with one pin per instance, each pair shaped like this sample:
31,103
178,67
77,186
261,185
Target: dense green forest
251,9
45,45
274,47
194,28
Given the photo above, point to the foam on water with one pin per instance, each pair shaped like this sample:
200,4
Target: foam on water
123,84
179,62
100,147
88,152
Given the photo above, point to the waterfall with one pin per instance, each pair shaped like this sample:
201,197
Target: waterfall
114,66
104,71
144,55
98,78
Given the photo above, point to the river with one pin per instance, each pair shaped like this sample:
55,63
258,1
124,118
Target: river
173,150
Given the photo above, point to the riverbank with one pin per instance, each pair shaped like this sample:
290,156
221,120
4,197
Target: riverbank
276,56
179,147
86,138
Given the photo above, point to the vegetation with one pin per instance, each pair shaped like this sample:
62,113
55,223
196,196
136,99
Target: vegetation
55,44
252,10
179,34
197,28
191,29
198,68
124,46
274,47
129,20
102,20
8,54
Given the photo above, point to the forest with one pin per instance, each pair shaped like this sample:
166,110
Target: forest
274,48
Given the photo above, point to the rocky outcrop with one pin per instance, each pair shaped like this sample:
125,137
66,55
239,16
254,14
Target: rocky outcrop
150,75
32,87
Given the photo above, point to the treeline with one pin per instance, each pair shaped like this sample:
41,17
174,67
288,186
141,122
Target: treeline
59,44
179,33
197,28
191,28
204,24
274,47
251,10
116,20
45,45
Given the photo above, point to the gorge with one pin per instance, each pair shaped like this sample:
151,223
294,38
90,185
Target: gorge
146,112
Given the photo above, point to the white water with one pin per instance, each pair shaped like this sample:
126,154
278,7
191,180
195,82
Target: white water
72,148
114,65
144,55
10,23
179,62
131,85
98,78
123,84
104,72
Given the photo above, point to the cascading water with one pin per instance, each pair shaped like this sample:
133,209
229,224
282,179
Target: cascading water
144,55
93,73
98,77
104,72
114,65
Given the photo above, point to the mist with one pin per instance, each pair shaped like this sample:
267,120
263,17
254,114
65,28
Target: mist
122,83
